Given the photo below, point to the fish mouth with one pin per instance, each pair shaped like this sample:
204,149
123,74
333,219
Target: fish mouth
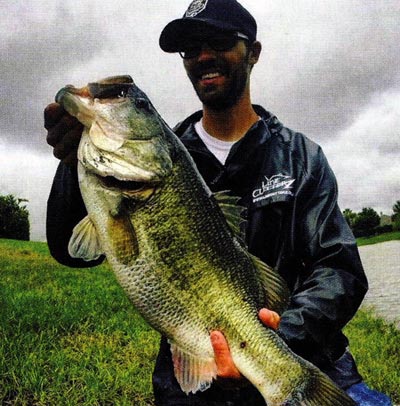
129,188
111,87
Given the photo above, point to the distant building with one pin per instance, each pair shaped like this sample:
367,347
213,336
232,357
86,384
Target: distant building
385,220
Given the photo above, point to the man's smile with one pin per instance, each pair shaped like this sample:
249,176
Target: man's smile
211,78
210,75
219,77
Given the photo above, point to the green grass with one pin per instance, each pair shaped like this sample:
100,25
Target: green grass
71,337
375,345
68,336
394,235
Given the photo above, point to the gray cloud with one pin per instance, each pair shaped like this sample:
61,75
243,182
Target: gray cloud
328,68
366,155
49,42
327,58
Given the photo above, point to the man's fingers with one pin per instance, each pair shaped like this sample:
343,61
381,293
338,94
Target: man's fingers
69,143
63,133
65,125
269,318
225,366
52,114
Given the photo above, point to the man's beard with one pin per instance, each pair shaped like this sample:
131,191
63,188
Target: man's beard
228,96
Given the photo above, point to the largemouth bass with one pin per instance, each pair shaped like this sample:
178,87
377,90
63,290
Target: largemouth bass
176,248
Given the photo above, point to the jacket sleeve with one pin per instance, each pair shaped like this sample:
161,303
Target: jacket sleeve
65,208
332,282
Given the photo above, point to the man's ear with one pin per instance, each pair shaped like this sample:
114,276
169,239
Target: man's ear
254,52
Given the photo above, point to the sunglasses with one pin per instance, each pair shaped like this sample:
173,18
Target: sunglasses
219,43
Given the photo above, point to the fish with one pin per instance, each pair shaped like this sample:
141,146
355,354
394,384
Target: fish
177,249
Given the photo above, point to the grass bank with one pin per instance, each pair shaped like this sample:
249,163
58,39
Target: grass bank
70,337
375,345
394,235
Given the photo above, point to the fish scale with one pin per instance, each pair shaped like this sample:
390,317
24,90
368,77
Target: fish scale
176,249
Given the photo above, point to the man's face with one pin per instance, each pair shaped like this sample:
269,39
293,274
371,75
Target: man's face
219,77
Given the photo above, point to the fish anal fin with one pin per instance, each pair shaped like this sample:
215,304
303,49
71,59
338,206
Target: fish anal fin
276,290
84,242
192,372
231,210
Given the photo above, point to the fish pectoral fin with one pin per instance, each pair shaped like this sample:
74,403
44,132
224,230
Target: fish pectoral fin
231,210
192,372
276,290
84,242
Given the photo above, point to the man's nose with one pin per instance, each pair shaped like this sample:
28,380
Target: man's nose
206,53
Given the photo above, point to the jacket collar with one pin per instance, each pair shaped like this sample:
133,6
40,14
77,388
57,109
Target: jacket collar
272,122
258,134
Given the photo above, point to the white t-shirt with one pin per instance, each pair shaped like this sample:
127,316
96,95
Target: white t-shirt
218,147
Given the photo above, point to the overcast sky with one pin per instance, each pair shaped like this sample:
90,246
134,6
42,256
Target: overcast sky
329,69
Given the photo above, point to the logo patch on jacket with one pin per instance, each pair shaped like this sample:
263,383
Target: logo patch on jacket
274,186
196,7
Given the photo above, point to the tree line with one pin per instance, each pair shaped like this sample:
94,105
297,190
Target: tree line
368,222
14,220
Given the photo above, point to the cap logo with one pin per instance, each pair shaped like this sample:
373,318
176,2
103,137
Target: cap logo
196,7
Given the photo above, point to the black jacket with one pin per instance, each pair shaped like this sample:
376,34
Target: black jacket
293,223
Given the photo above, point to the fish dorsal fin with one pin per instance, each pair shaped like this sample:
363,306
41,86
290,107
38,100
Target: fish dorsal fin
231,210
192,372
276,290
277,293
84,242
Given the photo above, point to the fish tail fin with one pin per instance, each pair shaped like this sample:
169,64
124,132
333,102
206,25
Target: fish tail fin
320,390
192,373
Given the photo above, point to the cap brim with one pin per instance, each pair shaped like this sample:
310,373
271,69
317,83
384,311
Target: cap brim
176,34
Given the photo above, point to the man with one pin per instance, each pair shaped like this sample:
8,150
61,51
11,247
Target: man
283,179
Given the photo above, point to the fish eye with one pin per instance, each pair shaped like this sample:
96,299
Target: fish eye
142,103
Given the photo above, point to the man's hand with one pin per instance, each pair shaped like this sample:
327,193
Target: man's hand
225,366
63,133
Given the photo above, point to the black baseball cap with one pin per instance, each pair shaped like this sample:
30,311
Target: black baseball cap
204,17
